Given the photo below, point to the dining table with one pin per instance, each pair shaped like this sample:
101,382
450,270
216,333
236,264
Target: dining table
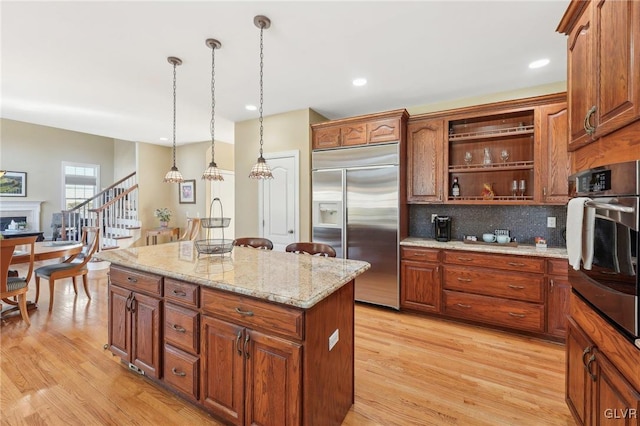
43,250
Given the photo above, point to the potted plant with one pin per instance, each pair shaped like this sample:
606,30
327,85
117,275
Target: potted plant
164,214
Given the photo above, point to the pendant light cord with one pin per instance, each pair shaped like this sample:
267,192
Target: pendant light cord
213,102
261,91
174,114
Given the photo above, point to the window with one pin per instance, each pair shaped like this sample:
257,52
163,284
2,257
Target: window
81,182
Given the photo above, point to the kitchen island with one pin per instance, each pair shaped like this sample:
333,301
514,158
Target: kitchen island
253,337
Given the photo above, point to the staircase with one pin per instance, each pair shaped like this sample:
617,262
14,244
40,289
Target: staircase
115,210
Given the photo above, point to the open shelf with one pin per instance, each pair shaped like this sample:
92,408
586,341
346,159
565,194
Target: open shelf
469,168
492,133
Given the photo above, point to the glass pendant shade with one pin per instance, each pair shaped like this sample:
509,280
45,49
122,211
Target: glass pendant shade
174,175
261,170
212,172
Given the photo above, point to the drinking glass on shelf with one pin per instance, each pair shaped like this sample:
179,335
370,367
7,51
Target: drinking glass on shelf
514,188
467,158
523,187
504,154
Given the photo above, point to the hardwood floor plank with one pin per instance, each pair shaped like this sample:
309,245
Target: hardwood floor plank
410,370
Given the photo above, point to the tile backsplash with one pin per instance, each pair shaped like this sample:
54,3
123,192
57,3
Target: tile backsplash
524,222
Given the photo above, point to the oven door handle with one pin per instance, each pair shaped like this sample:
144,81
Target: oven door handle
609,206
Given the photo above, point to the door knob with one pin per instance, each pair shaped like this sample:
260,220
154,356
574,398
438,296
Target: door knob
290,231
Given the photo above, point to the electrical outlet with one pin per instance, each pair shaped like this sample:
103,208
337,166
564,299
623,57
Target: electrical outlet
551,222
433,217
333,339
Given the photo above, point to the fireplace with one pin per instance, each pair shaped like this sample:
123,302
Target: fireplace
26,211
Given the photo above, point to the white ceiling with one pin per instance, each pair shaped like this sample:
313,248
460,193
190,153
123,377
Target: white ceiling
101,67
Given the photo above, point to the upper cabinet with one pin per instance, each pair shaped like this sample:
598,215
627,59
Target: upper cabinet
603,68
368,129
512,152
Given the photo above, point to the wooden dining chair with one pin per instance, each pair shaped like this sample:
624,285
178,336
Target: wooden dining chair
71,267
255,242
192,231
314,249
12,286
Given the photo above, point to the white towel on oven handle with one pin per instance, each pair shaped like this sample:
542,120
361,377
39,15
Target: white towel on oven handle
588,226
575,215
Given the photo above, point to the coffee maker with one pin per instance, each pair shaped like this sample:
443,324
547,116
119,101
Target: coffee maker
442,228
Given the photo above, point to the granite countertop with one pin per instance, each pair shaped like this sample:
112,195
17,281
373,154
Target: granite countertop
522,250
291,279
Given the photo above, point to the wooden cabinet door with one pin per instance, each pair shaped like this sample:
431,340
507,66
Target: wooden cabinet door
580,90
555,166
222,365
328,137
578,384
617,52
425,146
383,131
558,306
146,345
353,134
420,286
615,401
119,322
273,381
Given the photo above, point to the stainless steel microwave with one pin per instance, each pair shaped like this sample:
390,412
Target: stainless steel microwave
611,284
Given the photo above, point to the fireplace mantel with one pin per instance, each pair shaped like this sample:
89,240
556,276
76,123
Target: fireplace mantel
29,209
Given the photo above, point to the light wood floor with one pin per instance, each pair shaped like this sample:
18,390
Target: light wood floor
410,370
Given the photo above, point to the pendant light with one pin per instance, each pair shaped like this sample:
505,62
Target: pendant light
212,172
174,175
261,170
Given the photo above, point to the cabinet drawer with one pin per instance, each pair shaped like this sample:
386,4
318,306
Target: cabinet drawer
181,327
137,281
419,254
181,371
497,261
557,267
181,292
254,313
526,287
494,310
383,131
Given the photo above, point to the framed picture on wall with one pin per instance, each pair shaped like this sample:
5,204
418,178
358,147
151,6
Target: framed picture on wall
187,192
13,184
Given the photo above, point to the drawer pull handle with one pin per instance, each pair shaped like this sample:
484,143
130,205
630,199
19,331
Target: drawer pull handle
463,306
515,264
516,287
244,313
179,328
132,279
179,293
517,315
465,259
466,280
178,373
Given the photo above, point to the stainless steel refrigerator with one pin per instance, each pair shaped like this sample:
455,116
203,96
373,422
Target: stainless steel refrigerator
355,210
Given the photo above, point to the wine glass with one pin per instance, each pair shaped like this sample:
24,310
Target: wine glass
504,155
514,188
467,158
523,187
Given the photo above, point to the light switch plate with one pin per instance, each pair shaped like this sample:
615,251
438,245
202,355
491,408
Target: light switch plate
433,217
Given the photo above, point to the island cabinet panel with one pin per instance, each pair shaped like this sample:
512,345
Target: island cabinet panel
135,319
182,371
249,376
181,293
181,328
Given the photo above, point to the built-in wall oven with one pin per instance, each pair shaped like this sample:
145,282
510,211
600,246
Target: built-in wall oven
611,283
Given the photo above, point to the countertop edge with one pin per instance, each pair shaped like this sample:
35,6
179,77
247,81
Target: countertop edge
521,250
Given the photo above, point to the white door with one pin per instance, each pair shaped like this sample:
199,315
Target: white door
225,191
278,218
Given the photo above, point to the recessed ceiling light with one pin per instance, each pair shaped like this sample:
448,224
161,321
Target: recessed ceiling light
359,81
164,139
539,63
251,107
